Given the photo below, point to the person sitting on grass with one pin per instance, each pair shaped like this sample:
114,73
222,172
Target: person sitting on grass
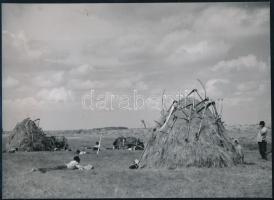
135,164
74,164
96,147
78,152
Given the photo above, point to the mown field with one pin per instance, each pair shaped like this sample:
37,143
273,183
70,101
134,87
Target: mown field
112,177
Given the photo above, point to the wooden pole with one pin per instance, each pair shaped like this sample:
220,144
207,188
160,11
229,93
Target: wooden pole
99,146
203,86
167,119
144,123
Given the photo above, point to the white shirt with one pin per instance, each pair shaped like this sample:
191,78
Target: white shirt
239,150
73,165
262,134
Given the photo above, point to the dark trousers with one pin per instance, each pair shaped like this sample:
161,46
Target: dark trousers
262,148
52,168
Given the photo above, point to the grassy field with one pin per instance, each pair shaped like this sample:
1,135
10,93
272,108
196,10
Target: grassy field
112,178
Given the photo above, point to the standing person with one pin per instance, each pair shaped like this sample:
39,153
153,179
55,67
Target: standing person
239,151
261,139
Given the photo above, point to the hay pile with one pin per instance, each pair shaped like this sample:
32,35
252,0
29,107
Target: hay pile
27,136
128,142
189,134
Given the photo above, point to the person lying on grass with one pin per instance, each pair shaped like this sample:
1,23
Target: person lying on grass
74,164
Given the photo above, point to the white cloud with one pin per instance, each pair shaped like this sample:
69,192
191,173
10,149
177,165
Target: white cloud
131,82
123,83
215,87
140,85
253,88
55,95
81,70
194,52
22,103
231,22
10,82
23,88
51,79
263,88
58,76
241,63
170,40
235,101
152,40
250,85
78,84
19,43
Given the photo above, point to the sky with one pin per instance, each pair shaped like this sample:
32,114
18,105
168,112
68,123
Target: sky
59,60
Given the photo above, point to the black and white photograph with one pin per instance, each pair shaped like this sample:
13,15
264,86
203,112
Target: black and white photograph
136,100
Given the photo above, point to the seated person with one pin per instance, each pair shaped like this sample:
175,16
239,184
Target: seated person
13,150
77,152
74,164
96,147
134,165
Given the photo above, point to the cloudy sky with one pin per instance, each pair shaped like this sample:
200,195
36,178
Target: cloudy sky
54,54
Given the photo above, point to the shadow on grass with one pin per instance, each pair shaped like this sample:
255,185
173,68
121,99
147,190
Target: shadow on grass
254,146
249,163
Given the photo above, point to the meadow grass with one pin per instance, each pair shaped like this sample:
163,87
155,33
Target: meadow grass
112,177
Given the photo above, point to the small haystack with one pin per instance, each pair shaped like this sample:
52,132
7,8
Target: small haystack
27,136
128,142
190,133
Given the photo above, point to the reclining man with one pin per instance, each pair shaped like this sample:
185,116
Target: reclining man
74,164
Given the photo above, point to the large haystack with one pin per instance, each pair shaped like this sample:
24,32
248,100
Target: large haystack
27,136
190,133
